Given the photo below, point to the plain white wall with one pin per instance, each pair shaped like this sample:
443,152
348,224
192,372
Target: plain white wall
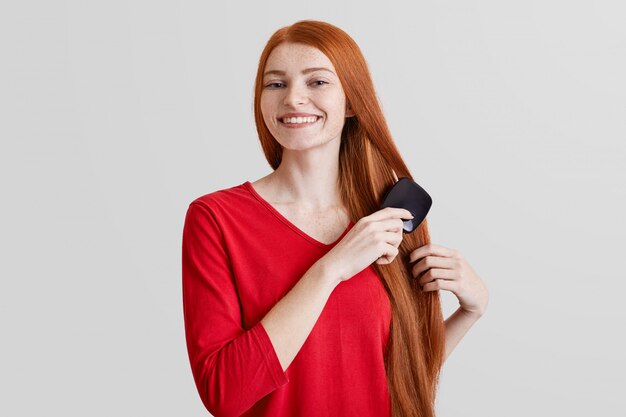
116,114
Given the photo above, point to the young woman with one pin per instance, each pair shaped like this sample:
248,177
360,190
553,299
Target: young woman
301,297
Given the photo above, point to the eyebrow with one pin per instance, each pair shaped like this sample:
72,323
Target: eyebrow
305,71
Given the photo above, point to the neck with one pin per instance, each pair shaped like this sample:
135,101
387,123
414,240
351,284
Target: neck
308,179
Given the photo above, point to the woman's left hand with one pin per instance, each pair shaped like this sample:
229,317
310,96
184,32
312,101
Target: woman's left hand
443,268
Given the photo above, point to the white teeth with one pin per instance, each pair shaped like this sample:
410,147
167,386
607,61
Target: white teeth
299,119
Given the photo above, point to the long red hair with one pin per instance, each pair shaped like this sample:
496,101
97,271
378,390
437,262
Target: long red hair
368,159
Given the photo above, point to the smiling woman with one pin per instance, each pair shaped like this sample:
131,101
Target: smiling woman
308,312
300,76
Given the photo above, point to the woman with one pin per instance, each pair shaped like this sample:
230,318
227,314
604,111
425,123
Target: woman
294,303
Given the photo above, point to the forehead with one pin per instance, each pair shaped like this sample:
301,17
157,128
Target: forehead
292,57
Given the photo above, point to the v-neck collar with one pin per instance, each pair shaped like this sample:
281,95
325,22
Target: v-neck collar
248,186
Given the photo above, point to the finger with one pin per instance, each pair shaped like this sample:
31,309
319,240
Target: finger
440,284
390,212
391,239
389,242
435,274
431,249
428,262
384,260
388,255
391,225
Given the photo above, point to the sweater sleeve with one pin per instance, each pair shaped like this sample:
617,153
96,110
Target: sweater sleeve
232,367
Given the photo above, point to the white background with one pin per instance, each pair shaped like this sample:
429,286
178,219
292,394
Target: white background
116,114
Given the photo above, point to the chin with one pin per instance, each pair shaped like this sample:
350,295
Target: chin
303,145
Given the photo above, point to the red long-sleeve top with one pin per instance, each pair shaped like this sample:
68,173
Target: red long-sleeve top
240,256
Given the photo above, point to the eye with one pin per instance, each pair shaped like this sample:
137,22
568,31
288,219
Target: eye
271,84
319,81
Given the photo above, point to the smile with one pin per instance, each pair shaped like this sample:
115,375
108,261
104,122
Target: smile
294,122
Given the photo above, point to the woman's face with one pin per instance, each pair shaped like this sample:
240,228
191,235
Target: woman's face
300,80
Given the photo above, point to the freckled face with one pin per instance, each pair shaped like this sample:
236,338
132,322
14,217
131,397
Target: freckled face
298,89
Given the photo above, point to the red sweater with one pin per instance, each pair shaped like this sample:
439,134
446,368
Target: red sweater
240,256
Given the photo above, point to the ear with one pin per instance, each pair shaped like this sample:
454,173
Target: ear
349,112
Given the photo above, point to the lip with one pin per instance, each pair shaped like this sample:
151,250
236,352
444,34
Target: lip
298,125
298,115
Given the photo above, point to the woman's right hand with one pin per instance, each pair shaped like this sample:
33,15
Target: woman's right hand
373,238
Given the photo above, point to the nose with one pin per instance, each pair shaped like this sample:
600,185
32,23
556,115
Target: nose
295,95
